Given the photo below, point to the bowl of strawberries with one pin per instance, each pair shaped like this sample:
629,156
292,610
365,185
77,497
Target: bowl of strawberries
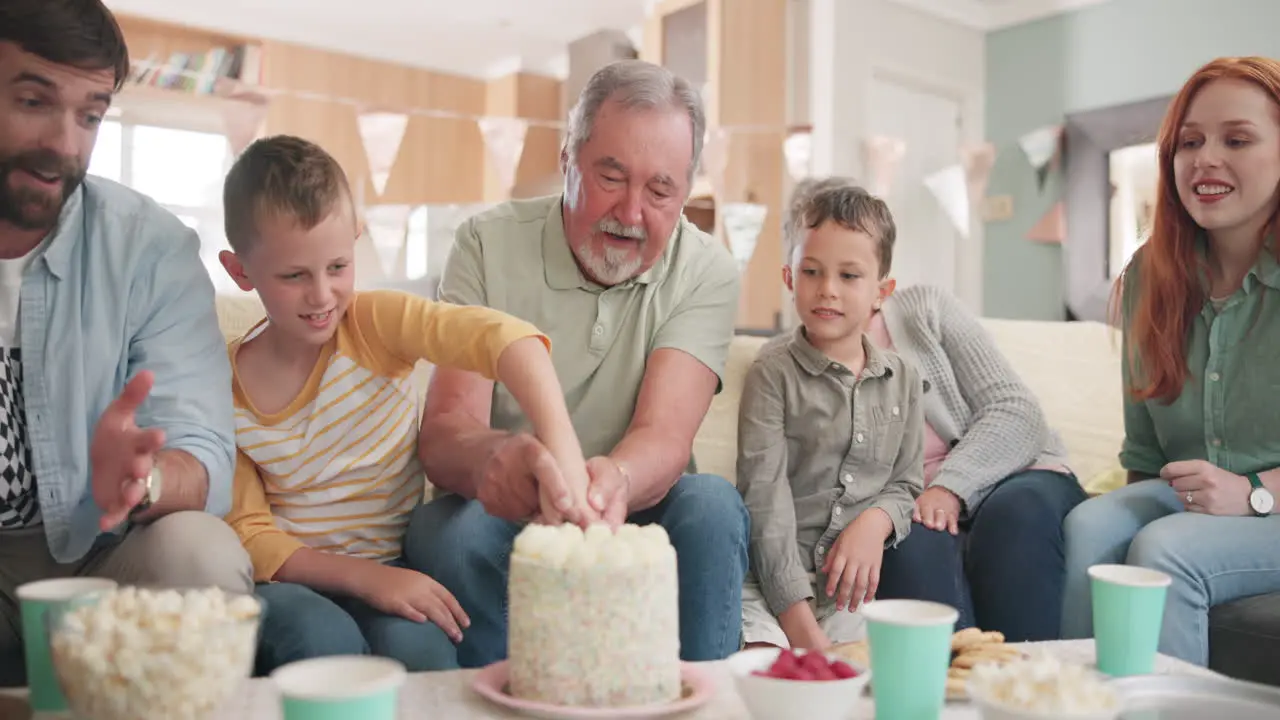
777,684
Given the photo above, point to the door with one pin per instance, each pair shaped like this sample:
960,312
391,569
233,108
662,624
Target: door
927,246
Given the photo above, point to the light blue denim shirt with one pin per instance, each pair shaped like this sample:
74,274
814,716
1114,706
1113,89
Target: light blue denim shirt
120,288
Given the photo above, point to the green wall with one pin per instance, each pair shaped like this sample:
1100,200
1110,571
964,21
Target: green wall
1110,54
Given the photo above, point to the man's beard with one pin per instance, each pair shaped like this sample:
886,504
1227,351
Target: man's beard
611,267
31,209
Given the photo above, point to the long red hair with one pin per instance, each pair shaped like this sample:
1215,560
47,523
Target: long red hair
1168,294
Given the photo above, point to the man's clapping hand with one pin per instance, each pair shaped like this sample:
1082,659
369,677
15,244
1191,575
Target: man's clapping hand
122,454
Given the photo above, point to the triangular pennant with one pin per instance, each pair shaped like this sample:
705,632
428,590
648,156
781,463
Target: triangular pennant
382,133
798,149
1052,226
1042,147
242,121
386,225
742,224
882,155
950,188
504,142
978,161
715,157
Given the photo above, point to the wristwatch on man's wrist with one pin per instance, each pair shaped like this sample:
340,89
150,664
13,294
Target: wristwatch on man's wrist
1261,501
152,483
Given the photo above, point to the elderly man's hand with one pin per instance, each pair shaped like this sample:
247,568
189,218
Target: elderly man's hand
518,476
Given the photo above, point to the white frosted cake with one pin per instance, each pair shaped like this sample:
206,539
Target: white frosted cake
593,618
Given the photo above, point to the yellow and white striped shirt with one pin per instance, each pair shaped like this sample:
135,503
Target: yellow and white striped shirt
337,469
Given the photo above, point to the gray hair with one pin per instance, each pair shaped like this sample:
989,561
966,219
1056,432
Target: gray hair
635,84
839,201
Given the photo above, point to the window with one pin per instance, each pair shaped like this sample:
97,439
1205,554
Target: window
1134,174
182,170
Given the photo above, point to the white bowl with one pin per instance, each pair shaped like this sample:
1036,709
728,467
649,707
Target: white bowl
769,698
991,709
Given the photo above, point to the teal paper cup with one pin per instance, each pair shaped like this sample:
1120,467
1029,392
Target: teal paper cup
910,651
1128,610
340,687
36,600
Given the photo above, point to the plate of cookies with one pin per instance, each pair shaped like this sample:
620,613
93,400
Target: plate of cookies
972,647
969,648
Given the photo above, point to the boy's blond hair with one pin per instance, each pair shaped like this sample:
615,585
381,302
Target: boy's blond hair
280,176
839,200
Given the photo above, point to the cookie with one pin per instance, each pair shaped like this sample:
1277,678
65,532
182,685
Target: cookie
970,659
959,672
965,638
956,688
857,652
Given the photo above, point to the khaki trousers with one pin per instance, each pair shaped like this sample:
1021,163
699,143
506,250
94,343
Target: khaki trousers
187,549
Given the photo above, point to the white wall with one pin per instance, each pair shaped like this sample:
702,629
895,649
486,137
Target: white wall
853,41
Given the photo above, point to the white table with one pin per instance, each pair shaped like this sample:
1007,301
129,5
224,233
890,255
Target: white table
449,694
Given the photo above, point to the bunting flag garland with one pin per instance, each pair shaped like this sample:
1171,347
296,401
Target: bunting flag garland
881,156
951,188
1052,226
386,226
742,224
1042,147
798,149
504,142
243,122
382,133
978,161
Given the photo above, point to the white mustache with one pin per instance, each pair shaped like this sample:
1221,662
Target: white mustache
613,227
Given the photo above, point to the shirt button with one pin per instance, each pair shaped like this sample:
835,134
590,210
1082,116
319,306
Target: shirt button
597,330
838,510
858,437
896,411
1214,376
1217,442
848,478
821,549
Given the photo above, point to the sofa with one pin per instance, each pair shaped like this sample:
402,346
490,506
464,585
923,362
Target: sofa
1072,367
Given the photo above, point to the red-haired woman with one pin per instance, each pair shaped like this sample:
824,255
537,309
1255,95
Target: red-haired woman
1200,308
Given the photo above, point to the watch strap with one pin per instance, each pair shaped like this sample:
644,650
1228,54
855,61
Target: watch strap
1254,480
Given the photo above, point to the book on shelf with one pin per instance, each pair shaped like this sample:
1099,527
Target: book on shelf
203,73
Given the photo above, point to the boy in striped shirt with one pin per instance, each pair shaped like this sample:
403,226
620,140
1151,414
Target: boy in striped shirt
327,470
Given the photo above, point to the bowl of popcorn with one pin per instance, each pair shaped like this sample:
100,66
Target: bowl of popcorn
785,684
1042,688
135,653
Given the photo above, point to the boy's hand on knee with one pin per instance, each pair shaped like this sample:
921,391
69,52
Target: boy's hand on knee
414,596
852,566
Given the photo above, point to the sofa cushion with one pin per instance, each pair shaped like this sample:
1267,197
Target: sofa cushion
1244,639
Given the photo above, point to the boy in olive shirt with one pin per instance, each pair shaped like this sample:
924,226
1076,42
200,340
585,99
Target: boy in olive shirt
831,433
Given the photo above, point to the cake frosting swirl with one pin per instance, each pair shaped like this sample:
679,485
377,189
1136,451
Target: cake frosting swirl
594,616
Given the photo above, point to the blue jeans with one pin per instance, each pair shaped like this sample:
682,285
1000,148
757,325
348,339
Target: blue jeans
1006,569
1212,560
467,550
302,623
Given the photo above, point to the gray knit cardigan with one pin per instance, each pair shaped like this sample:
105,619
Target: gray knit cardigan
974,400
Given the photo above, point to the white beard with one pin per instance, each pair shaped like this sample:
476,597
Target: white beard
614,266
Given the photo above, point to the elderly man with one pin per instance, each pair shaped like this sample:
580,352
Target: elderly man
639,305
115,403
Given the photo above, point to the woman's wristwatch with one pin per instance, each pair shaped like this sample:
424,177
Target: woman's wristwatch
1261,501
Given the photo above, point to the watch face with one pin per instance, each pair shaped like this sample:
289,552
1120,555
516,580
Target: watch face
1262,501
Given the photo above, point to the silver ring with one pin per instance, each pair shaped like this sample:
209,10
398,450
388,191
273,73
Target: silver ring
1189,500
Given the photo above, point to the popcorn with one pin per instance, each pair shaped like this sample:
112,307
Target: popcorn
139,654
569,546
1045,685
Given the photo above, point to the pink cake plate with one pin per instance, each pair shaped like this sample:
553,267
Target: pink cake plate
697,689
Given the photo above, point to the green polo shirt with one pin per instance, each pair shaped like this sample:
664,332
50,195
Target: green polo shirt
1228,411
515,258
